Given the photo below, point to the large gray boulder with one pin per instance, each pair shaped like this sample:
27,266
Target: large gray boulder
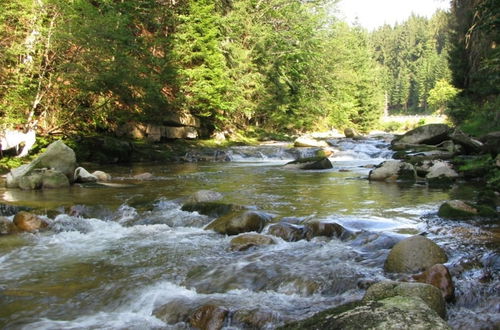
393,170
394,313
428,293
58,157
441,173
426,134
471,145
414,254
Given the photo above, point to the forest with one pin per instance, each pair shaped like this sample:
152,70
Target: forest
89,66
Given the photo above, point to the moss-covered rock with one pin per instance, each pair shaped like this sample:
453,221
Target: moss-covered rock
457,209
240,222
414,254
428,293
393,313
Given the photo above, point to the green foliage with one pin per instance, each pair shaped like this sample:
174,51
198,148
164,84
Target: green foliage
440,96
414,57
475,34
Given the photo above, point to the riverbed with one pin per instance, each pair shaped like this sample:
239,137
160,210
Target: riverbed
124,255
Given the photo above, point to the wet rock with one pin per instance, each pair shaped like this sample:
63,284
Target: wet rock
174,311
211,209
393,313
7,227
26,221
393,170
305,141
287,231
351,133
245,241
471,146
414,254
143,176
32,181
83,176
440,277
255,318
58,157
326,229
457,209
426,134
325,152
310,163
101,176
240,222
428,293
208,317
441,173
53,179
204,196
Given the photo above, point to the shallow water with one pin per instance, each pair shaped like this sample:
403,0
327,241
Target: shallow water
128,257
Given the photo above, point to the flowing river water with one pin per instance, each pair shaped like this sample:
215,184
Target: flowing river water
130,258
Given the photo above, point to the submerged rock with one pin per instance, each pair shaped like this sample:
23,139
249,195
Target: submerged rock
204,196
310,163
440,277
208,317
426,134
143,176
393,313
255,318
26,221
240,222
246,241
211,209
393,170
414,254
428,293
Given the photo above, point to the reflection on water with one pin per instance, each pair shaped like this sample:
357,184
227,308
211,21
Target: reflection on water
128,257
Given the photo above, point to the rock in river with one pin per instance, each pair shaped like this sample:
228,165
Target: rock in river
240,222
428,293
26,221
440,277
310,163
393,170
426,134
414,254
393,313
245,241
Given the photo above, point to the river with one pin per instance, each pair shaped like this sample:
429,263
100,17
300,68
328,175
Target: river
129,258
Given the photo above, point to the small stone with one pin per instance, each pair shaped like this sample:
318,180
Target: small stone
6,226
240,222
101,176
143,176
287,231
326,229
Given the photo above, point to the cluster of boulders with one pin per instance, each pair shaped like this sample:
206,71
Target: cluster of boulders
426,152
175,126
55,168
436,154
419,304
